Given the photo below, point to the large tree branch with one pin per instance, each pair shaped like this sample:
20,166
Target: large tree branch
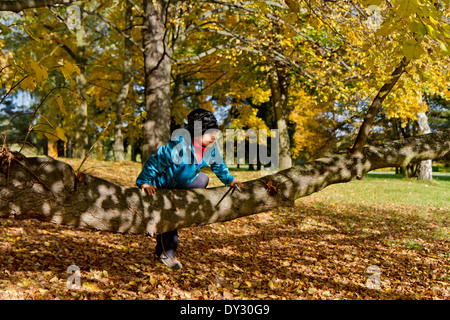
19,5
50,190
366,126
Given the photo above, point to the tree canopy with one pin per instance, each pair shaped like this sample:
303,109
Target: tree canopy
331,60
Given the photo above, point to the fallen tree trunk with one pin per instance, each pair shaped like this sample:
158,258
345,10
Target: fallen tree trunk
50,190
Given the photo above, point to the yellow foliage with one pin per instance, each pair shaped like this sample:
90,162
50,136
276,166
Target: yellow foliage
68,69
28,83
261,96
248,119
310,136
59,101
33,74
39,72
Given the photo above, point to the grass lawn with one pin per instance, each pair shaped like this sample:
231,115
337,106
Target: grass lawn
379,238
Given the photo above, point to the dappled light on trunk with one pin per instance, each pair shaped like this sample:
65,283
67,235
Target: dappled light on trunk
50,190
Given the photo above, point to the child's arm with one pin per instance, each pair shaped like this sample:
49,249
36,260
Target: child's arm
155,165
222,172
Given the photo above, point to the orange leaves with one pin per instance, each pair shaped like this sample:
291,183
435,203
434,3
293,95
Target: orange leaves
272,188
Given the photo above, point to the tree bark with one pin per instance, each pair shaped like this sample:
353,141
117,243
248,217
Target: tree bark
279,90
425,167
50,190
19,5
123,94
157,67
81,111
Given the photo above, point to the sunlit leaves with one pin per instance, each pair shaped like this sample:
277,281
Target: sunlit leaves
33,73
5,30
59,101
293,5
69,69
51,132
32,35
412,49
418,27
338,52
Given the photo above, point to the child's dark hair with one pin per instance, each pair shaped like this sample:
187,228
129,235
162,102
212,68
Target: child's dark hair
202,117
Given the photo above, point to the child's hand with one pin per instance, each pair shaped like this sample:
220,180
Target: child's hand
236,182
150,190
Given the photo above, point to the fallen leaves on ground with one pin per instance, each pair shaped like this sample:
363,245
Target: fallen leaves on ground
314,250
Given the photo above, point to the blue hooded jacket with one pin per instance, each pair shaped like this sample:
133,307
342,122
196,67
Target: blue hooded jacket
175,166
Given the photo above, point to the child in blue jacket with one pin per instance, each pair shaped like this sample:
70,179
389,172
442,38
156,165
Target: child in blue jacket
177,166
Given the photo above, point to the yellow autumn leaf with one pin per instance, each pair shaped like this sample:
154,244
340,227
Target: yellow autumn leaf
35,72
60,134
412,49
39,72
59,101
272,285
371,2
28,83
293,5
68,69
290,18
444,47
32,35
4,29
90,286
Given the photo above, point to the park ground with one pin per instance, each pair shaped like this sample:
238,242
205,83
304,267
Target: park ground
380,238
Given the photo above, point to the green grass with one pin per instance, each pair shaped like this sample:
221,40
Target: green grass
391,189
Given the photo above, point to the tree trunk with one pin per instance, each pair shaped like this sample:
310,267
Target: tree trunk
118,146
81,121
157,67
50,190
425,167
279,90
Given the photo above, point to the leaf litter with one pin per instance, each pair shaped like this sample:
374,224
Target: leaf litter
314,250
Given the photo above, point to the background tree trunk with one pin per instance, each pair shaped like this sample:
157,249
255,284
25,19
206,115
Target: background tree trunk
279,90
50,190
157,66
118,146
81,114
425,167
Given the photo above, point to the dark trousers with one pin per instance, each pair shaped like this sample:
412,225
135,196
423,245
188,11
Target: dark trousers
168,242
